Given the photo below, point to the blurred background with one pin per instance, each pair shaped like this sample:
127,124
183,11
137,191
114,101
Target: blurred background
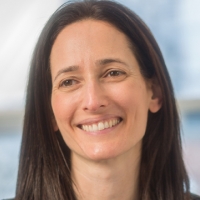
176,27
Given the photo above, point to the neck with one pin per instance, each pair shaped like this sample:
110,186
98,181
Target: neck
115,178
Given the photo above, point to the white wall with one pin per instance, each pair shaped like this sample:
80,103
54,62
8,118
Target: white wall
21,22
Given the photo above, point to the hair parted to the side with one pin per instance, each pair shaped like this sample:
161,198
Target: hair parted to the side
44,169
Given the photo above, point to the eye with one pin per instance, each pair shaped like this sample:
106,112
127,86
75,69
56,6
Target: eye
115,73
68,82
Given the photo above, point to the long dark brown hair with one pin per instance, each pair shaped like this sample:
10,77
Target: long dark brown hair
44,168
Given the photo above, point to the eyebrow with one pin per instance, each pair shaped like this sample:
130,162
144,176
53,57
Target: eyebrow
110,60
100,62
67,69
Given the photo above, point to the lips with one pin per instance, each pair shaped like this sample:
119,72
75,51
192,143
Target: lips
100,125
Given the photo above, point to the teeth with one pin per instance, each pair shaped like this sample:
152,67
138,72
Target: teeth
90,128
94,127
86,128
100,126
110,123
106,125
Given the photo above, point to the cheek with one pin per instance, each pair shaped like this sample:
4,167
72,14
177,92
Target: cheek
129,95
62,106
134,100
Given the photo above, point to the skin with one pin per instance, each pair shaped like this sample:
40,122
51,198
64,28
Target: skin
96,78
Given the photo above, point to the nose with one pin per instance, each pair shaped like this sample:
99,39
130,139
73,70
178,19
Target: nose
94,97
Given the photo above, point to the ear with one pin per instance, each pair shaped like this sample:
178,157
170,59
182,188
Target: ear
55,126
156,98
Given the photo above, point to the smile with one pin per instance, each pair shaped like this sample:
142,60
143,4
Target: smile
100,125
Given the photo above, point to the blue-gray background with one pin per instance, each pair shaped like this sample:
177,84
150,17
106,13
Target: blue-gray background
175,25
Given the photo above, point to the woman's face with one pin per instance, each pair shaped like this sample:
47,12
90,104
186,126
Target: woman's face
99,98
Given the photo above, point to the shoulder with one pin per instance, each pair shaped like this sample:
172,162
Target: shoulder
195,197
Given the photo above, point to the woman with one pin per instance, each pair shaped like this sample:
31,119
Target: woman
100,120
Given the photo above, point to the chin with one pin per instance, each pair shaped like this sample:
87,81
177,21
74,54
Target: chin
102,152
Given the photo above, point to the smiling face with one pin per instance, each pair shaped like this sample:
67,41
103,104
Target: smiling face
99,98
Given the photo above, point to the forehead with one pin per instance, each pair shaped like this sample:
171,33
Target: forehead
90,32
85,42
